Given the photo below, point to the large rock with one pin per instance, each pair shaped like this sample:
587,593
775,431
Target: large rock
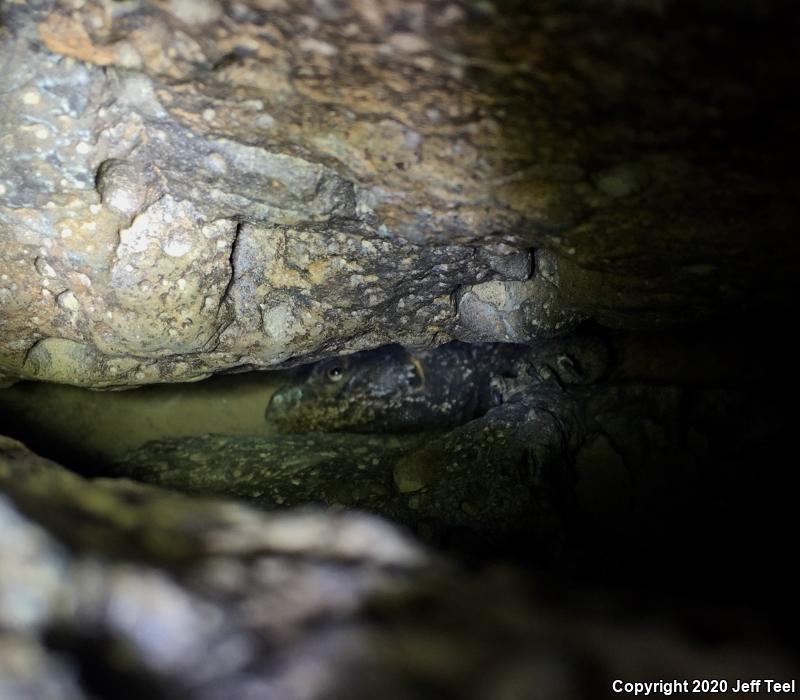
113,589
193,187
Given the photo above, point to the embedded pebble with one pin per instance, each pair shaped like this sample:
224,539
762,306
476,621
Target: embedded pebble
67,300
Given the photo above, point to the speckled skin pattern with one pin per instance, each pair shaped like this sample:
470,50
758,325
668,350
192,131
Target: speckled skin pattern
397,390
389,389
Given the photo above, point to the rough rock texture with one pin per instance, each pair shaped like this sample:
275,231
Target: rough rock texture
479,488
112,589
193,187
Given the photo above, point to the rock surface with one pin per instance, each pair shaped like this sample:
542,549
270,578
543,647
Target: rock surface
187,188
487,486
116,589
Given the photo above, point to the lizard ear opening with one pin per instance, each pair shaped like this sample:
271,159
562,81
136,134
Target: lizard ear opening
416,373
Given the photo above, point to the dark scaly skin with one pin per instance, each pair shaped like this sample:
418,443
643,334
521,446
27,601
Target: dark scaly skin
490,482
398,390
389,389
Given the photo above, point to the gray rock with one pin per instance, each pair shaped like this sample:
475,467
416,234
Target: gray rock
117,587
188,189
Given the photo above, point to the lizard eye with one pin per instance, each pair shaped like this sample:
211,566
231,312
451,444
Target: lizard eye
335,373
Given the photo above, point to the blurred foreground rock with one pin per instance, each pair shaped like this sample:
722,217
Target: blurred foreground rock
111,589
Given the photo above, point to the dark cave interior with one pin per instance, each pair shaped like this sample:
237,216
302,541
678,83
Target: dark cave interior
398,349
